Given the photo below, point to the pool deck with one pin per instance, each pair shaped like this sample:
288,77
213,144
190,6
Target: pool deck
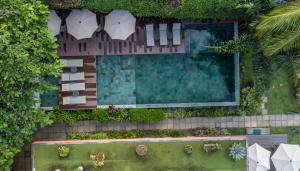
102,44
89,69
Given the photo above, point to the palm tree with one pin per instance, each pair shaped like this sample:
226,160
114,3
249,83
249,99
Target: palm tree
279,31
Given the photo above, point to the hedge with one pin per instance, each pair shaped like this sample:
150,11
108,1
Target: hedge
199,132
196,9
104,115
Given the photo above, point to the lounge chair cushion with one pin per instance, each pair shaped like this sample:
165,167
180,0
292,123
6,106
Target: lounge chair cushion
150,35
163,40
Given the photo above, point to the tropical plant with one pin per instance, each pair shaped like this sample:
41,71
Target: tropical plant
63,151
188,149
27,54
250,102
237,151
98,159
279,31
240,44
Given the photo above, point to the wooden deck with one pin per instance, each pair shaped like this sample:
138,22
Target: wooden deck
102,44
89,69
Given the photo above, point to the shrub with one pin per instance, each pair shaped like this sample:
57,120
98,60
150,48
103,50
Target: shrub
27,53
237,151
100,115
98,159
141,150
250,102
63,151
188,149
163,8
200,132
146,115
211,147
119,114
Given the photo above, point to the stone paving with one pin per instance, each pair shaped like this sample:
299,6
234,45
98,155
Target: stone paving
59,131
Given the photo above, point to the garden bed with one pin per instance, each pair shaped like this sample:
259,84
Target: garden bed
162,154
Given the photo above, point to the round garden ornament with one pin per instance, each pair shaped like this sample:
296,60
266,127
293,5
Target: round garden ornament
141,150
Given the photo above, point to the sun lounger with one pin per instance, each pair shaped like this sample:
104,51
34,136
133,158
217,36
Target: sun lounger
74,100
73,87
176,33
72,62
150,35
163,34
72,76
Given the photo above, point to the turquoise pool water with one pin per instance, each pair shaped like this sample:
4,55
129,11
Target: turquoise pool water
197,78
50,98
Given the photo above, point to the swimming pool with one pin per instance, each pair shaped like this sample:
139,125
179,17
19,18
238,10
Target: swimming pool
197,78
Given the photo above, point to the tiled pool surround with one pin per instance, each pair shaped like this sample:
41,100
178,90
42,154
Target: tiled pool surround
198,78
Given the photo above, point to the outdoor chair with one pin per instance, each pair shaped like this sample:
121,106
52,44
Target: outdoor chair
73,87
150,35
176,33
163,40
74,100
72,62
72,76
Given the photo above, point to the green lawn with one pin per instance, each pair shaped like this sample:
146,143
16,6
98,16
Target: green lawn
281,94
162,156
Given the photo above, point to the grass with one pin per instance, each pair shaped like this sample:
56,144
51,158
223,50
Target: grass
281,94
162,156
293,134
247,68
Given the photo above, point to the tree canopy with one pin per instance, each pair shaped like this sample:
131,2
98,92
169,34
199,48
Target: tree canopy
279,31
27,54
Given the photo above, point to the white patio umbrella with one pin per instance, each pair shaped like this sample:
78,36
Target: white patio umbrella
54,23
287,158
259,158
119,24
81,23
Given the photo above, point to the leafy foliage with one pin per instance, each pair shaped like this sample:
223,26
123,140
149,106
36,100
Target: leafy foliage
98,159
219,9
147,115
237,151
250,102
63,151
27,53
279,30
188,149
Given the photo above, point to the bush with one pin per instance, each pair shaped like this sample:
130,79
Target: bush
146,115
63,151
250,102
200,132
188,149
100,115
219,9
237,151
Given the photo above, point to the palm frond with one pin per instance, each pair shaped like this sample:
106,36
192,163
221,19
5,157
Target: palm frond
232,46
283,42
282,18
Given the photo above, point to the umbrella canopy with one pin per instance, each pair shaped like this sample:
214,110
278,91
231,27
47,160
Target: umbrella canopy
259,158
81,23
119,24
54,23
287,158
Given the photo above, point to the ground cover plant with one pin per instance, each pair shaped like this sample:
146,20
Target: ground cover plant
122,156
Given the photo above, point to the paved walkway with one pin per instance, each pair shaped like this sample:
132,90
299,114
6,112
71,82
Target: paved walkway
59,131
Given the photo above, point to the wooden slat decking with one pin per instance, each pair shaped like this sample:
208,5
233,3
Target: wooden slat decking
102,44
89,69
